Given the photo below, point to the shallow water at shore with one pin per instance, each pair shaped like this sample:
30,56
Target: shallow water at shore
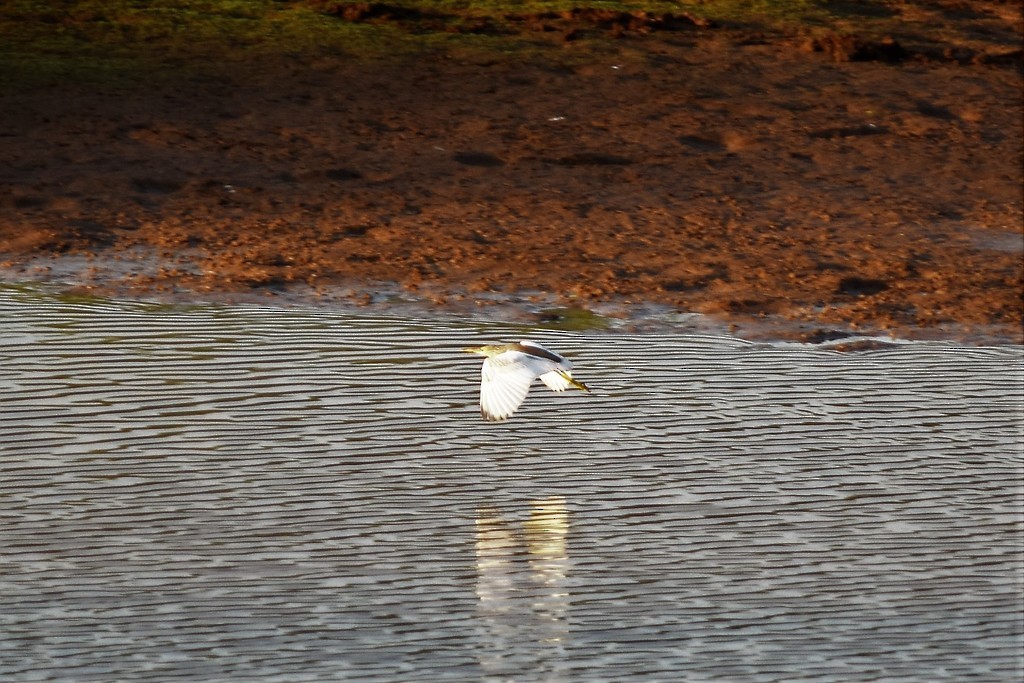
245,492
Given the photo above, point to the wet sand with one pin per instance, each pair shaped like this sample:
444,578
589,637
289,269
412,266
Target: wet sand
770,183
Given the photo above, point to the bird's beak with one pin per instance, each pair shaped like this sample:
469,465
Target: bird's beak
473,349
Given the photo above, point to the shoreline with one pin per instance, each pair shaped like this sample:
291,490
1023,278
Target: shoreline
88,278
700,171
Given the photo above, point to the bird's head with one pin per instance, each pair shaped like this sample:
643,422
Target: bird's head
488,350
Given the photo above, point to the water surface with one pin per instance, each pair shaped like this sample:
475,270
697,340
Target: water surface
246,493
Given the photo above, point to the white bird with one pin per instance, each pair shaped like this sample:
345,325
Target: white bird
508,371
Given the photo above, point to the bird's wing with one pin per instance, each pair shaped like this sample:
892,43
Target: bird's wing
555,380
537,351
503,388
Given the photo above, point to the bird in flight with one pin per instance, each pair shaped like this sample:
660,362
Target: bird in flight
508,371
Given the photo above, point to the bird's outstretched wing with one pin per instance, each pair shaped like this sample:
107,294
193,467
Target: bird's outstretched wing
503,387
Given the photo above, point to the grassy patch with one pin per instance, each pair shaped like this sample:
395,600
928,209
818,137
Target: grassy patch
104,40
109,40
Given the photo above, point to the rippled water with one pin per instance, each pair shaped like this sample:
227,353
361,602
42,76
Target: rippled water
239,494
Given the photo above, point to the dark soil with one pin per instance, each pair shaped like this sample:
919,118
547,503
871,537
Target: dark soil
829,181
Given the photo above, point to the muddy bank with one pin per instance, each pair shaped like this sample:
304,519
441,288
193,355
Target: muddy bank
745,179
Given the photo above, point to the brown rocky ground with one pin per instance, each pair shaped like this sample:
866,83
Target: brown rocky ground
821,183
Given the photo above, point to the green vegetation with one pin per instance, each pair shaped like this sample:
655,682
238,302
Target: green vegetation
104,40
572,319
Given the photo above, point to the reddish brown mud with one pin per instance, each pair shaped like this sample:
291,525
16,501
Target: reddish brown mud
816,182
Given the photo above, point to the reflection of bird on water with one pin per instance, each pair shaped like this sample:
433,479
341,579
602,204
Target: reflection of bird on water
508,371
522,591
